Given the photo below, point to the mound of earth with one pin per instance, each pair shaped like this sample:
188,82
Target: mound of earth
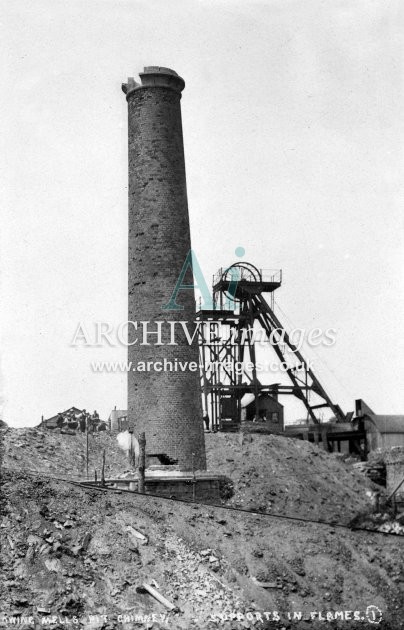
70,552
268,473
280,475
59,454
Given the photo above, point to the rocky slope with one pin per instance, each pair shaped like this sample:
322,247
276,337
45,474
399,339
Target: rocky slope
72,554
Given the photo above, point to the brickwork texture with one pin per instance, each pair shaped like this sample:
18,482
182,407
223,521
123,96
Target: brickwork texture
166,405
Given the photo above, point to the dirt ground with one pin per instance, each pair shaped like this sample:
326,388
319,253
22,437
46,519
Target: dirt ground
69,552
280,475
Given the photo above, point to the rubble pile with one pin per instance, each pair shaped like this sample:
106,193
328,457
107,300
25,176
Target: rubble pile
37,449
385,521
70,552
374,468
282,475
393,526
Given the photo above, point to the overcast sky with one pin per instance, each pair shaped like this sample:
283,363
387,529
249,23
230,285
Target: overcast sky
292,116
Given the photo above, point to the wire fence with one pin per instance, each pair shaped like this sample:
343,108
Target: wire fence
271,515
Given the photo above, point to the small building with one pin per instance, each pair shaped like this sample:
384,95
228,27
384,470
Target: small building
52,423
118,420
382,431
267,409
72,419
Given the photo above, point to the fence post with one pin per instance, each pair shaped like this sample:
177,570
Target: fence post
87,447
103,469
142,462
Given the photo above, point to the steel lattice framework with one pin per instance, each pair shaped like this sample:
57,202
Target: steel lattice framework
228,336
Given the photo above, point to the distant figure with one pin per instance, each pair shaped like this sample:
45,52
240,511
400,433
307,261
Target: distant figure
71,420
83,420
206,421
95,421
82,423
60,420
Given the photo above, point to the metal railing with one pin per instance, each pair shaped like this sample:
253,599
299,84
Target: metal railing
241,273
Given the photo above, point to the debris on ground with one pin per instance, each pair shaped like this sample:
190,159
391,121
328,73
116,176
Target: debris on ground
70,552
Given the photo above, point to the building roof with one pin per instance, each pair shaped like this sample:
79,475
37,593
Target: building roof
262,397
74,409
51,423
118,413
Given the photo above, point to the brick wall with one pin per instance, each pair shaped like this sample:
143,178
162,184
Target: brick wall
166,405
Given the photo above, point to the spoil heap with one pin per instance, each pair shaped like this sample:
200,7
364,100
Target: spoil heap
41,450
71,551
281,475
267,473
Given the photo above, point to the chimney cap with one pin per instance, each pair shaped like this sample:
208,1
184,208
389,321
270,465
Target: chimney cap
155,76
158,70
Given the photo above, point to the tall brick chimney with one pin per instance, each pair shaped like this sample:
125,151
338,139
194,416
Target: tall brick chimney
166,405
